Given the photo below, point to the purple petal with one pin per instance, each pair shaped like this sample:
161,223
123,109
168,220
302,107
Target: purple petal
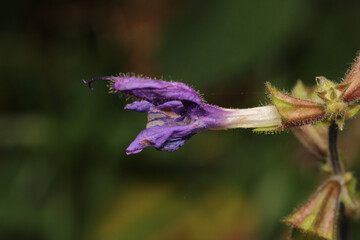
170,104
154,136
137,106
163,138
156,91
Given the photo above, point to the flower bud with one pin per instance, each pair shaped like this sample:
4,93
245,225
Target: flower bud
352,93
307,93
323,103
318,215
314,138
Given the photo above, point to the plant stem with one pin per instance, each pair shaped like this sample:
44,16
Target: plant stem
333,150
338,169
344,224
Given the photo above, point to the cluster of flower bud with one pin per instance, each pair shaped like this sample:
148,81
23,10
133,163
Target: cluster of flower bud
318,216
321,105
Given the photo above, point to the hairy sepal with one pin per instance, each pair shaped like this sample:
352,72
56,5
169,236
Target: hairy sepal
318,215
307,93
295,111
352,93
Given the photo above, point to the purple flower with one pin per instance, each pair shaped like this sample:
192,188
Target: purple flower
176,112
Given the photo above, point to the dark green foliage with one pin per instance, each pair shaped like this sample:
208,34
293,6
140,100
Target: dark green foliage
63,169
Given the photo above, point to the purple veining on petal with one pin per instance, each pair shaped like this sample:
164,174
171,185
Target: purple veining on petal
174,144
171,124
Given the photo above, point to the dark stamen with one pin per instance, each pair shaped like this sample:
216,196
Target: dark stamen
95,79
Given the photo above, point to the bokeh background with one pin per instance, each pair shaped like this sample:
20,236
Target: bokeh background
63,169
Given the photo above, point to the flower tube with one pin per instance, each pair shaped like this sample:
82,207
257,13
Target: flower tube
176,112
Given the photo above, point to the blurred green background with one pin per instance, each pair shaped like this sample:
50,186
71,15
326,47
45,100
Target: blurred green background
63,169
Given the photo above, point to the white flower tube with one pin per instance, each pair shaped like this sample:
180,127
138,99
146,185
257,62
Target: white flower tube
258,117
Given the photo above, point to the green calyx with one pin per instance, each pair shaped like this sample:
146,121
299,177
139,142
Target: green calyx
321,104
331,96
318,217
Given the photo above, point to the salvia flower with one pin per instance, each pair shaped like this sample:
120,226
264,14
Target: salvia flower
325,103
176,112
